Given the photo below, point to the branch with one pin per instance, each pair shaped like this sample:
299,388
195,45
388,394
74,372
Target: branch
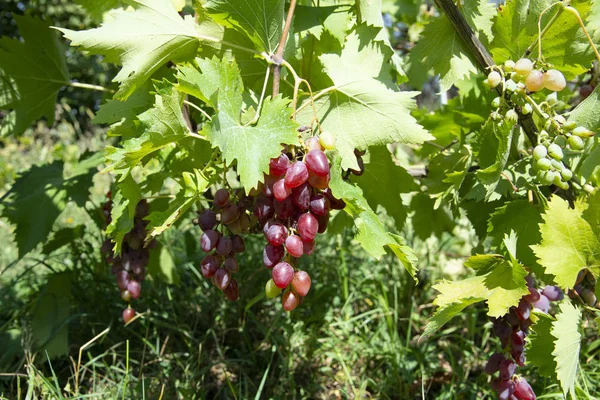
278,57
482,57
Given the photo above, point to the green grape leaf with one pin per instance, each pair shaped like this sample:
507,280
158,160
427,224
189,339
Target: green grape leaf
521,217
479,212
587,113
62,238
568,243
96,9
363,91
141,41
124,203
592,213
441,49
568,344
446,174
494,142
316,20
371,234
383,181
428,220
369,12
32,71
162,125
540,343
50,315
162,265
564,45
444,314
252,146
261,21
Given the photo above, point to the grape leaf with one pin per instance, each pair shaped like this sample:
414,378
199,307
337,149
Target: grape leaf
32,72
371,234
363,91
446,174
383,181
494,142
478,212
568,343
161,125
428,220
587,113
568,243
252,146
540,343
124,203
261,21
444,314
592,213
441,50
521,217
162,265
96,9
141,41
316,20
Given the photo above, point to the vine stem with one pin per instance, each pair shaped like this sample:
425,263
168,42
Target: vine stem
201,111
587,34
278,58
541,33
89,86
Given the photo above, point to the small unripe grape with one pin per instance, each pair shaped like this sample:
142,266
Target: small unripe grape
126,296
554,80
523,66
494,79
566,174
558,165
526,109
271,290
561,184
511,85
496,102
546,178
535,80
576,143
540,151
509,65
543,164
588,188
327,140
560,119
582,132
569,126
555,151
511,117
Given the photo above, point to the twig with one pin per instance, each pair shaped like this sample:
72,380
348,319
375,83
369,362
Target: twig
90,87
279,53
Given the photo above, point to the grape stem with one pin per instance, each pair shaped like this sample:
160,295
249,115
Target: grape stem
201,111
541,33
587,34
278,57
260,101
89,86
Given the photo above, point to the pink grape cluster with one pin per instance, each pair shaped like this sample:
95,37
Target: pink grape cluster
585,288
220,262
512,331
130,267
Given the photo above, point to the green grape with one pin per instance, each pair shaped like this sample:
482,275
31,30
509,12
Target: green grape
552,99
271,290
535,80
526,109
540,151
327,140
554,80
588,188
560,119
523,66
509,65
496,102
547,177
511,86
561,141
566,174
576,143
582,132
543,164
495,116
558,165
555,151
561,184
494,79
511,117
569,126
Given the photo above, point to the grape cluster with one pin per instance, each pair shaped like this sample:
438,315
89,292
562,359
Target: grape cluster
512,330
130,267
585,288
220,262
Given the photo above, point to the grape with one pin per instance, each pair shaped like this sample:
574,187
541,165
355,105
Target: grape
336,204
128,314
208,240
523,66
553,293
230,214
232,291
533,295
543,164
231,264
512,318
280,190
134,289
126,295
501,329
308,247
327,140
263,208
518,355
296,175
282,274
224,246
278,166
558,165
276,234
524,325
319,205
361,167
505,389
496,102
493,364
323,220
222,278
526,109
509,65
554,80
547,177
271,290
317,162
523,390
301,283
507,369
523,310
122,279
238,244
285,208
540,151
301,196
588,296
207,220
209,266
566,175
576,143
511,117
313,143
494,79
316,181
294,246
221,198
308,226
555,151
289,301
518,338
582,132
272,255
535,81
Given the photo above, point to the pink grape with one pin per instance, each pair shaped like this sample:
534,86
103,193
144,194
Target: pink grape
323,221
507,369
313,143
280,190
232,290
316,181
222,278
533,295
209,266
518,338
336,204
122,279
282,274
518,355
238,244
543,304
319,205
221,198
207,220
289,301
317,162
263,208
208,240
523,310
301,283
134,289
301,196
523,390
493,364
272,255
224,246
308,226
276,234
294,246
278,166
308,247
285,208
553,293
296,175
505,389
231,264
230,214
128,314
